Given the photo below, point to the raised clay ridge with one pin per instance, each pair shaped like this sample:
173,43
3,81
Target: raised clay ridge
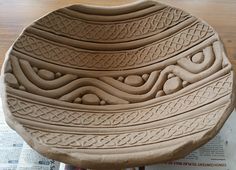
105,87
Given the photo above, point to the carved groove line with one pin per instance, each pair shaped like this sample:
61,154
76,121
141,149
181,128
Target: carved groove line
77,141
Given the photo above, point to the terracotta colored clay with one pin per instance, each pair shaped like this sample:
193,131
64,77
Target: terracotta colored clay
101,87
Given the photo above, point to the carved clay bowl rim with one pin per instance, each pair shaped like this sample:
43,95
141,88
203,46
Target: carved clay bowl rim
127,155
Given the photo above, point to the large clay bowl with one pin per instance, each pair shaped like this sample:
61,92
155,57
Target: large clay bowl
101,87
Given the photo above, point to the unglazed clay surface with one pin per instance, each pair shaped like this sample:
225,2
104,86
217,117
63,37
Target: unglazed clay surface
101,87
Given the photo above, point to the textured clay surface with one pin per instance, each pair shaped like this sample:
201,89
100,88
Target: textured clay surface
101,87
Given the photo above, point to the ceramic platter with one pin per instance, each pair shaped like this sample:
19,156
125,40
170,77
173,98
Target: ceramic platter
105,87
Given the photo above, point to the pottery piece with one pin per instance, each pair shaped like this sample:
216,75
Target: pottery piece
105,87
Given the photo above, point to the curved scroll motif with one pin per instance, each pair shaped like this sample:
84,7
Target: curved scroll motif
65,117
42,83
120,90
198,62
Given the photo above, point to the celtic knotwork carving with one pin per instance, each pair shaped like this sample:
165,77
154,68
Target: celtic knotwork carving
186,127
134,29
66,56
